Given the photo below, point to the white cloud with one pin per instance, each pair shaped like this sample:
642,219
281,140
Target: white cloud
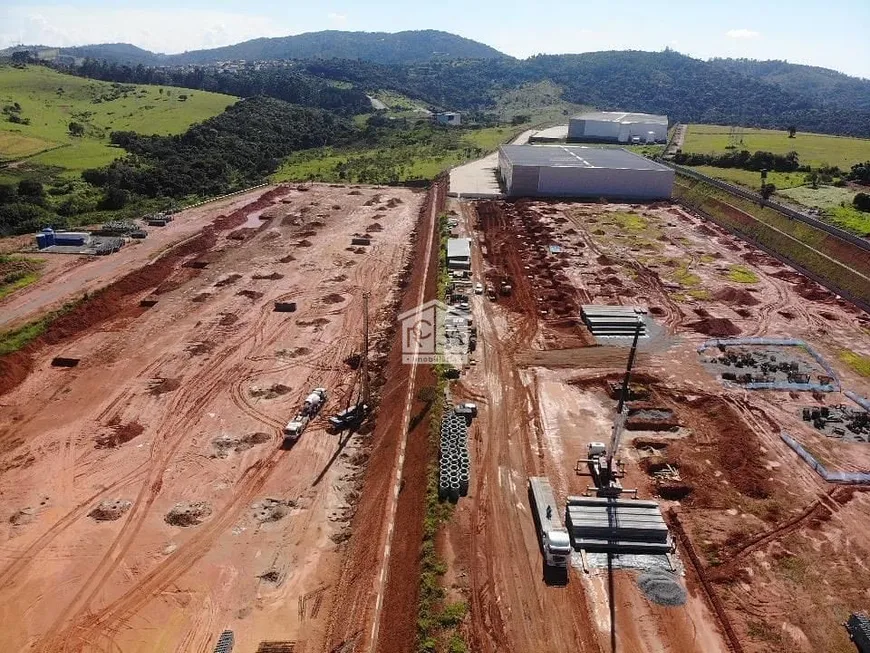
742,34
337,18
160,30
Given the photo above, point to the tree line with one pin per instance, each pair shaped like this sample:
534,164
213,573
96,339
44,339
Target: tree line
282,83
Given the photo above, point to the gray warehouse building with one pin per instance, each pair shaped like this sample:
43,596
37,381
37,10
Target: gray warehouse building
577,171
618,127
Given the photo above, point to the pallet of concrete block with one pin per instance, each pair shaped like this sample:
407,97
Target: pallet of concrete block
614,320
617,525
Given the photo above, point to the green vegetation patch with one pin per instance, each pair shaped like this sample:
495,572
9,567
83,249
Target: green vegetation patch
850,219
858,363
15,339
630,221
823,197
16,272
419,153
752,179
742,274
812,149
684,277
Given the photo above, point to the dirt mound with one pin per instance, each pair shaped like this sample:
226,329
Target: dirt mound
224,444
201,297
736,296
228,319
274,390
374,226
269,510
605,260
662,587
200,348
293,353
242,234
227,280
120,433
110,510
287,259
338,278
718,327
353,361
788,315
159,385
250,294
271,276
332,298
393,202
656,310
813,292
22,517
188,514
317,322
704,230
304,243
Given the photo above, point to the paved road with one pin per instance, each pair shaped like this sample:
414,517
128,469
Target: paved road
479,179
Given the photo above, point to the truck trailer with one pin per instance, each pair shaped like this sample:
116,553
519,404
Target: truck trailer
555,542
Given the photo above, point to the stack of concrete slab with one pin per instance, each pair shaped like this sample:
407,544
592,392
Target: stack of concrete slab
604,525
614,320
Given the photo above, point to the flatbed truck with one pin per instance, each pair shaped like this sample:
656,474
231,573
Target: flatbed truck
553,536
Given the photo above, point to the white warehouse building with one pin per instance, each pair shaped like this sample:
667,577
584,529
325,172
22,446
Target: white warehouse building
618,127
578,171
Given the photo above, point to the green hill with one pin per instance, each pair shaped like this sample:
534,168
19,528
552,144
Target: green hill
821,84
49,101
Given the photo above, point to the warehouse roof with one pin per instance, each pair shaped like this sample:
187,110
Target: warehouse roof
578,156
622,117
458,248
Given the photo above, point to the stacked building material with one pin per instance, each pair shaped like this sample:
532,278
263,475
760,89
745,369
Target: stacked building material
606,525
454,465
614,320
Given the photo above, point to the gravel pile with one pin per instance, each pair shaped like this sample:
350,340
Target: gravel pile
662,587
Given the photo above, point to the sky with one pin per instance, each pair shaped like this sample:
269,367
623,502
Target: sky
833,34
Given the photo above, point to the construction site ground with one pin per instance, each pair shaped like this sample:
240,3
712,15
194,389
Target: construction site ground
66,277
147,503
773,556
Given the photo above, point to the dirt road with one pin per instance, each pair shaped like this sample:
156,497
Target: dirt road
545,396
69,276
170,427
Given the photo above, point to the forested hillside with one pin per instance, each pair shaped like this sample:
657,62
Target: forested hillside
282,83
381,47
237,148
686,89
822,84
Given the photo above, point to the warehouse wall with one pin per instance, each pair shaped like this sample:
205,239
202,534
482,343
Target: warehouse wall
600,130
525,180
603,182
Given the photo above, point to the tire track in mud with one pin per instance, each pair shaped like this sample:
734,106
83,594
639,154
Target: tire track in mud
182,412
250,483
27,557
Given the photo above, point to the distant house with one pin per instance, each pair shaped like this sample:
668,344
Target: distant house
448,118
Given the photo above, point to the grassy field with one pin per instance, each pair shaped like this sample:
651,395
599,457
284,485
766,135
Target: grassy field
17,272
823,197
542,102
51,100
752,179
419,160
812,149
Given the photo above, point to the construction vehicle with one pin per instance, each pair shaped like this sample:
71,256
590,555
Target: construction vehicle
310,407
554,539
355,412
603,466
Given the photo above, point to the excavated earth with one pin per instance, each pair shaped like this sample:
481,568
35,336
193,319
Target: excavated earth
758,531
148,504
